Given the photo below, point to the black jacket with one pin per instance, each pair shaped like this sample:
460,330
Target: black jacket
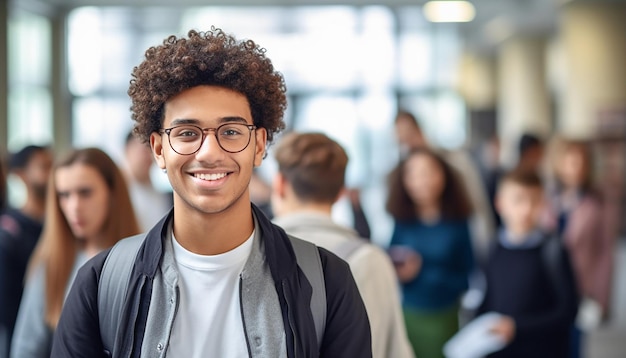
18,237
347,332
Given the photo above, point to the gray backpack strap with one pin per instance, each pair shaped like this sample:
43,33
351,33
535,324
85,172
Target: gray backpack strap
113,285
308,258
348,247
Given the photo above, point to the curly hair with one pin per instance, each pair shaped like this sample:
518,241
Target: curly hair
206,58
455,202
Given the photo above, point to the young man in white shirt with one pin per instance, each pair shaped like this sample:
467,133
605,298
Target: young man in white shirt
215,278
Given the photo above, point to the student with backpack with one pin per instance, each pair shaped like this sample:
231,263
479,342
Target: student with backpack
310,179
214,278
529,279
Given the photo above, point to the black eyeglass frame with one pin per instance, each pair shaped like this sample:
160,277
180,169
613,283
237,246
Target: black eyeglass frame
205,132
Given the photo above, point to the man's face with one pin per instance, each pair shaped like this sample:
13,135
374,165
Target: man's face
139,158
519,206
36,173
533,157
408,135
211,180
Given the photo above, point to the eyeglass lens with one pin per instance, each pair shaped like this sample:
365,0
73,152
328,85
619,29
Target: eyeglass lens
232,137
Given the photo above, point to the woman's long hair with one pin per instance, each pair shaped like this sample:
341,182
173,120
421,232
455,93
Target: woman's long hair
57,247
454,201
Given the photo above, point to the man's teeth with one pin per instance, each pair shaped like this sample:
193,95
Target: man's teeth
210,176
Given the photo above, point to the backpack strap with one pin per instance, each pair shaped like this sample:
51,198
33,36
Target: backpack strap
308,258
118,266
112,287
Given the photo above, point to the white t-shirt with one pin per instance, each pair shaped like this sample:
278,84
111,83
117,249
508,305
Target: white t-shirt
208,322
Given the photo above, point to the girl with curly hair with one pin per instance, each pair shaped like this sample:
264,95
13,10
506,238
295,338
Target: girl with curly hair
430,246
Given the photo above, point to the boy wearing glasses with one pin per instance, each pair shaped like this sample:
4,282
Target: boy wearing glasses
214,278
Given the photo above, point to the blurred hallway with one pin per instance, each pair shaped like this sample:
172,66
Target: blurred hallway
610,341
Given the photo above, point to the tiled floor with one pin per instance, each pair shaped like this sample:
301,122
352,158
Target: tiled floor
610,341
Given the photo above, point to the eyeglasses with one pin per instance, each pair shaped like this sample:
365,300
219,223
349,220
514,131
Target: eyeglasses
187,139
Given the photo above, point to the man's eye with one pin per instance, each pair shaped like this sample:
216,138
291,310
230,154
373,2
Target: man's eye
230,132
188,133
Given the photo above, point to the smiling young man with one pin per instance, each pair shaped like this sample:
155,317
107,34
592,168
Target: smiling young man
214,278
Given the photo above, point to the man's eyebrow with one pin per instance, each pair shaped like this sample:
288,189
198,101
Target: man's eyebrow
229,119
233,119
180,121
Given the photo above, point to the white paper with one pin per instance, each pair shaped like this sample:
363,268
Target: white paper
475,340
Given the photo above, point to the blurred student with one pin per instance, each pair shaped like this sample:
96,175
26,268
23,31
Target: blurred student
310,179
20,229
410,136
3,186
531,150
431,247
88,209
150,204
588,224
529,280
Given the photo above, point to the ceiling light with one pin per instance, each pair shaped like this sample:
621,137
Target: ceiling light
449,11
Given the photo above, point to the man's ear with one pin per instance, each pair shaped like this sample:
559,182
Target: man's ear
260,145
156,145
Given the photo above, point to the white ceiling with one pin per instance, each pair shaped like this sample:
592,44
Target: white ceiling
495,19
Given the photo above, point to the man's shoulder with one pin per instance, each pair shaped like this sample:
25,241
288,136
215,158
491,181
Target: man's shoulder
371,263
365,252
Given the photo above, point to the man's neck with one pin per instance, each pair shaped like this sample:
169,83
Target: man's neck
213,234
295,206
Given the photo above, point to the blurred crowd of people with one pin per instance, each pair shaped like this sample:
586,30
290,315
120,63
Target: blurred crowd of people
533,242
74,205
443,239
460,225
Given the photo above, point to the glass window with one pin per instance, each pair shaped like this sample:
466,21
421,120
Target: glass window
441,116
29,99
347,68
102,122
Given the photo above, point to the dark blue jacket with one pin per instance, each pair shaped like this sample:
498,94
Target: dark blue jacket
347,332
